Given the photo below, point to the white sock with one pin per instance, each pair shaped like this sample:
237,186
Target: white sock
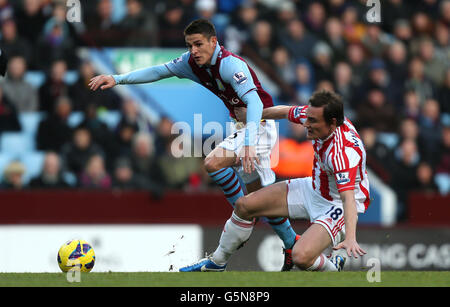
322,264
235,232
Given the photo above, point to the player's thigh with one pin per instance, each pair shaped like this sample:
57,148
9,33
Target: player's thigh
269,201
218,159
310,245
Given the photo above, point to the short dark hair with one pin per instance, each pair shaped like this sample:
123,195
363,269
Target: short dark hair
201,26
332,106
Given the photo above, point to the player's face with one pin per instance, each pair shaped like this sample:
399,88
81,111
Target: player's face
316,126
201,48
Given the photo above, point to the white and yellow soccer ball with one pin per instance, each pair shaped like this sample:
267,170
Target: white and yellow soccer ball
76,255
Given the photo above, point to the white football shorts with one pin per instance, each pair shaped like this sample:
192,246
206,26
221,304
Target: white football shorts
265,141
304,203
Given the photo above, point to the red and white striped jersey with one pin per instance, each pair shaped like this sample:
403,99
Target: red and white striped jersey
339,162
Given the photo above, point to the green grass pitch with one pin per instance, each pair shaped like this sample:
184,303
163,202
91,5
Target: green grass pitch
228,279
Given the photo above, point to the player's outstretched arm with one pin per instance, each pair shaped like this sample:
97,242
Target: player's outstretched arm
276,112
102,81
350,219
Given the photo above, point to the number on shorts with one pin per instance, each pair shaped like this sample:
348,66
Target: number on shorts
335,215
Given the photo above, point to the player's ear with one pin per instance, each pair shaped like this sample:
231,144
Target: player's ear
213,39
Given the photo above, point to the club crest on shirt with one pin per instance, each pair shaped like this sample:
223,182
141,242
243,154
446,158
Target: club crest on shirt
240,77
342,178
179,59
220,85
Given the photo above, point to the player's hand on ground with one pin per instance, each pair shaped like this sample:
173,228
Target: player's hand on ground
102,81
352,247
248,158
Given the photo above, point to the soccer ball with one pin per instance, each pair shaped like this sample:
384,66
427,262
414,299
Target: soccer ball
76,255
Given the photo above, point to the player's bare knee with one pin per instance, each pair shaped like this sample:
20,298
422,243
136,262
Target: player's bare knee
302,258
241,208
211,164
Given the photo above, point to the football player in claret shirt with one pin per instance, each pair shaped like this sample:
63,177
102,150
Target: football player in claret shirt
330,199
230,78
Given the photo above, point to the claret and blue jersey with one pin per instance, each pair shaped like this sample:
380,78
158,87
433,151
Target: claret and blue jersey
228,77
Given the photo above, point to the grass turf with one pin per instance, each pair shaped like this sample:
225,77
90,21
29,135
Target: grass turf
229,279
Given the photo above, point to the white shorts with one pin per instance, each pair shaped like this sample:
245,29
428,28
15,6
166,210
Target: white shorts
265,141
304,203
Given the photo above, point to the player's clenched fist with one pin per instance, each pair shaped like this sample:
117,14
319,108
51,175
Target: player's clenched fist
102,81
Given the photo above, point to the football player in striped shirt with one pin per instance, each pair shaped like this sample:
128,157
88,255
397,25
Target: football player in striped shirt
330,199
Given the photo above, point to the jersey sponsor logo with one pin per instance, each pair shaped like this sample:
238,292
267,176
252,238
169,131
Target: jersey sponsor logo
240,78
342,178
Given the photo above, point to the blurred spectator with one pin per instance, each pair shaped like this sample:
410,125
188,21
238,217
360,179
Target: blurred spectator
417,81
54,131
30,20
56,41
18,91
357,59
13,176
144,160
262,40
240,28
100,132
343,83
322,59
297,40
375,40
315,19
304,83
421,24
335,39
442,177
424,180
377,153
171,24
376,112
54,86
123,141
124,177
403,170
14,45
397,68
100,28
177,171
283,64
81,95
394,10
94,175
433,62
354,30
77,152
132,115
9,120
51,175
403,31
411,105
430,129
6,10
139,25
442,39
163,135
443,94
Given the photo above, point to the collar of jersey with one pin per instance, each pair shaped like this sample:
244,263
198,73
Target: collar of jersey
214,57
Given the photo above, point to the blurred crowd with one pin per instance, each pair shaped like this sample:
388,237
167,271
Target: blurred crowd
393,76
